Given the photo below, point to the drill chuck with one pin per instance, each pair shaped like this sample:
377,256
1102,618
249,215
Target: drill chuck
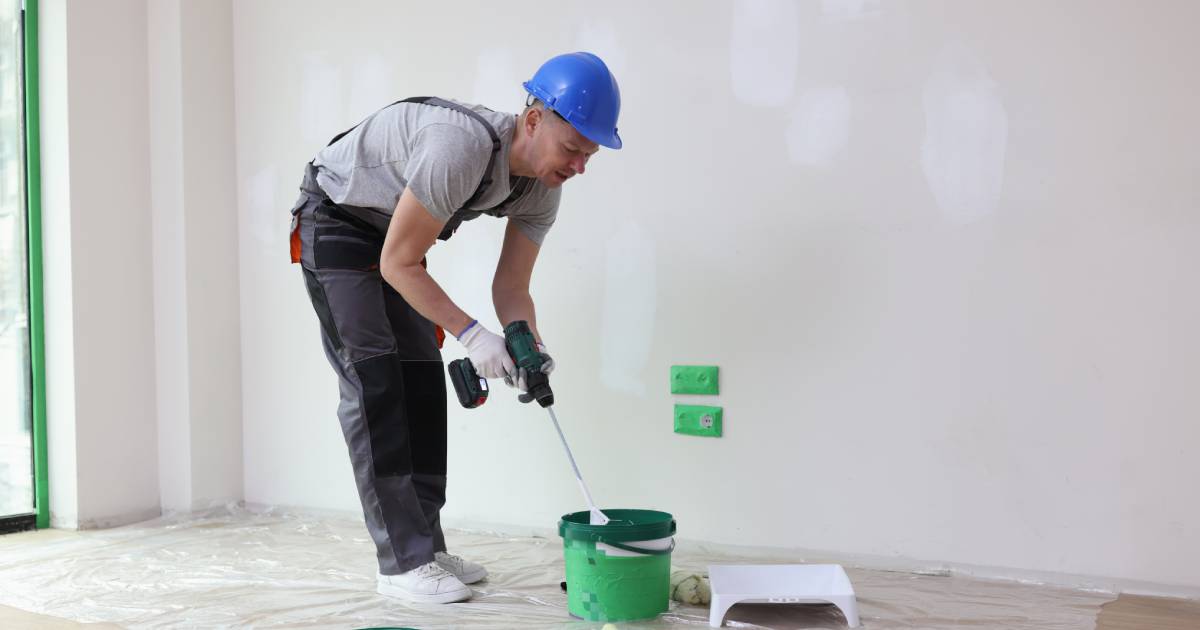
525,354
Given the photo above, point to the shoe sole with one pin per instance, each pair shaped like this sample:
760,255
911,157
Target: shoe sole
422,598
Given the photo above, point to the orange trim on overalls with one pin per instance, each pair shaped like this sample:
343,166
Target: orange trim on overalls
295,238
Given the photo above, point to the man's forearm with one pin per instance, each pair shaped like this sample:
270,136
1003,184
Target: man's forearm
420,290
515,304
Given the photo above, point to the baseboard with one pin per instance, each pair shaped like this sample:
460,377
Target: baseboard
118,520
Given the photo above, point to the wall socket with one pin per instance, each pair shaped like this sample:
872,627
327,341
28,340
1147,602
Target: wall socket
699,420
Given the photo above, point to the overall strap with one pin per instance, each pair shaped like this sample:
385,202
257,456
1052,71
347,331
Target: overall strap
462,214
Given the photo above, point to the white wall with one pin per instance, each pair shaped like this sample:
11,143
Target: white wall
938,249
214,324
195,283
99,315
170,254
56,266
144,390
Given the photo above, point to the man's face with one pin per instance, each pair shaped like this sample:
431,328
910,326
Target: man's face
560,152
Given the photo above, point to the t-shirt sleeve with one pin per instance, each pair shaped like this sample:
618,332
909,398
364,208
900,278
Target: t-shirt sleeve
537,222
444,168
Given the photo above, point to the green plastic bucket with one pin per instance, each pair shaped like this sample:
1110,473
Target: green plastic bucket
620,571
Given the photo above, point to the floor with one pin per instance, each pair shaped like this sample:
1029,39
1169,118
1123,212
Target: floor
235,568
1129,612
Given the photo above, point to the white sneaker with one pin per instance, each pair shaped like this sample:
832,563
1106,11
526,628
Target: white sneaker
467,572
426,584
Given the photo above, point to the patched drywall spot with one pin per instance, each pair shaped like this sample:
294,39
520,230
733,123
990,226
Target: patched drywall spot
630,294
600,38
321,106
820,126
845,10
764,51
497,81
966,132
268,220
371,87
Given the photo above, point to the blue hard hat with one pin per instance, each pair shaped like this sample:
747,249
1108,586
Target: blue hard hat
581,89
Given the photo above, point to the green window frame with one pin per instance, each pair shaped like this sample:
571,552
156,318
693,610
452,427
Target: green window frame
33,192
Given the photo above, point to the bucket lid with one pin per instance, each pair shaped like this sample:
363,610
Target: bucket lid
626,526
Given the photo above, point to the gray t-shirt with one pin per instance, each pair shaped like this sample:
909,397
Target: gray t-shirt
440,154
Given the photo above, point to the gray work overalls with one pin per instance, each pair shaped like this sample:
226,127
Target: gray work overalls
389,366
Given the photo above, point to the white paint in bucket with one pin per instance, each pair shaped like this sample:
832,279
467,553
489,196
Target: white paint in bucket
658,544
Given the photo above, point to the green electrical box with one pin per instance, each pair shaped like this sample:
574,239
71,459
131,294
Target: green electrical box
698,420
694,379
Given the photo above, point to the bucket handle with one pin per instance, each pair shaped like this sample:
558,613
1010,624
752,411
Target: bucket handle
648,552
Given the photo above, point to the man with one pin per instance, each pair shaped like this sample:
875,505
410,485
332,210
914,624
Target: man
373,202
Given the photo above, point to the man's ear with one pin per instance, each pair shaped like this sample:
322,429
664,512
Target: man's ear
533,118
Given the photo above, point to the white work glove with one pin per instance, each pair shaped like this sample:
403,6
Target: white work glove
488,352
548,366
520,381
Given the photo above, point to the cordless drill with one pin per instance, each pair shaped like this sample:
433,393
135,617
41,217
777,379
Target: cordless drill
472,389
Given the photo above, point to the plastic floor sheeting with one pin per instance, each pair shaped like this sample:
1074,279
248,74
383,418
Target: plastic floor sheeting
274,569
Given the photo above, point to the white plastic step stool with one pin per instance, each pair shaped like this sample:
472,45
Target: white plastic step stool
780,584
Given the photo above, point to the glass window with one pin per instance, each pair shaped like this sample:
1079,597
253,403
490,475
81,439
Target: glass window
16,443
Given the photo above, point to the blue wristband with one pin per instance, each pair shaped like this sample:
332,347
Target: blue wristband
473,322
